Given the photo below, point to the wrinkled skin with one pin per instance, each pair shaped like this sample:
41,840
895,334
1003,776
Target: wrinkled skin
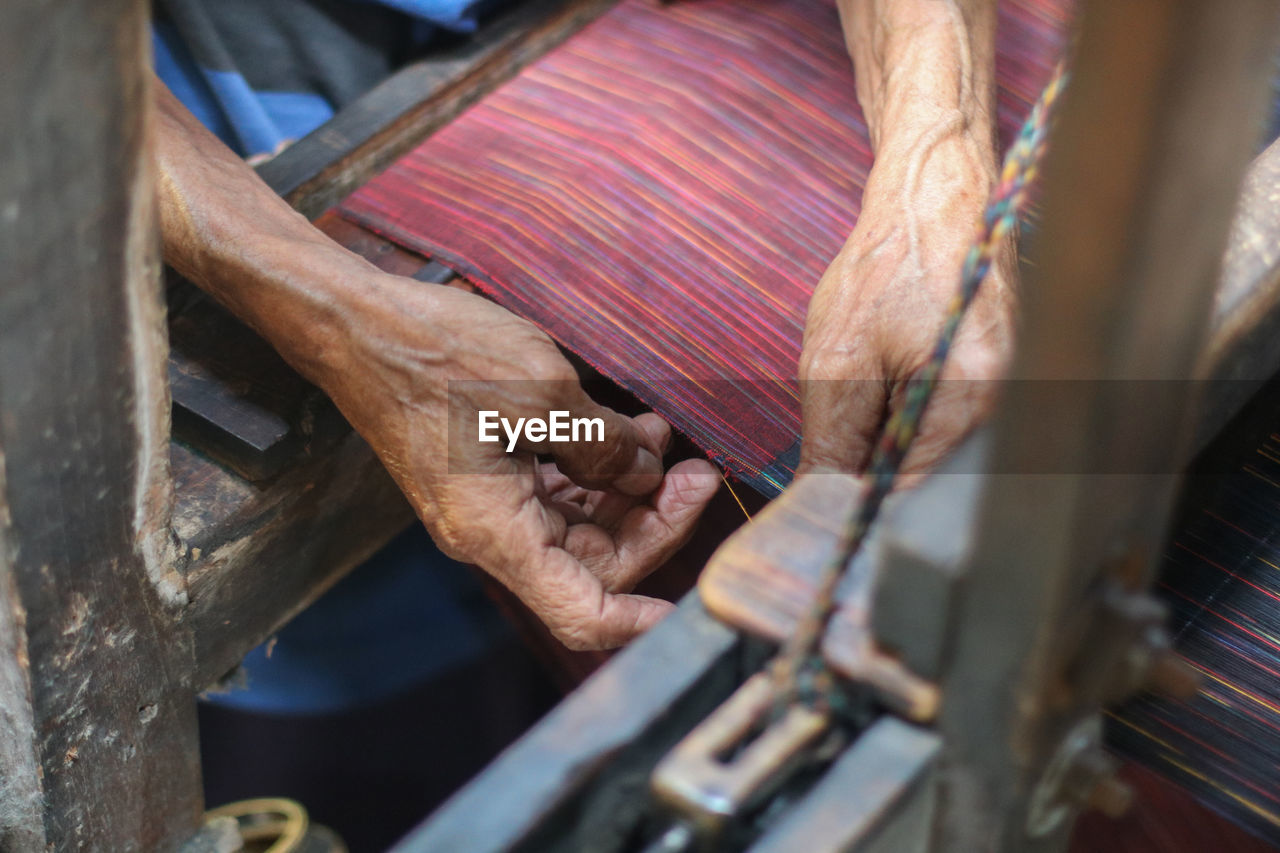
925,82
570,538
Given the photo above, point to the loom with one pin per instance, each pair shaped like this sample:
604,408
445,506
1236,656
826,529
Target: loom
984,648
997,627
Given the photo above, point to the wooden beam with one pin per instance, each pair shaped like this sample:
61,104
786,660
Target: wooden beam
319,170
1154,138
254,556
1244,343
95,673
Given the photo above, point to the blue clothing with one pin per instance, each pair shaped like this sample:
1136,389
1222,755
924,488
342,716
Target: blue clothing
408,614
261,73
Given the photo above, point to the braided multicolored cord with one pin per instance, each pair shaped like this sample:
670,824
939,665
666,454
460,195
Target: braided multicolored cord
799,670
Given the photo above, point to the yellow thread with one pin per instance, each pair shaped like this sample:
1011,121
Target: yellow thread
741,506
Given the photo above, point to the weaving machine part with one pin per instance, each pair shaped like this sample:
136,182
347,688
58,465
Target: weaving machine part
795,700
800,658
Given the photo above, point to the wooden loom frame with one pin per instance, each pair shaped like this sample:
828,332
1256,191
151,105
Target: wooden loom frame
131,568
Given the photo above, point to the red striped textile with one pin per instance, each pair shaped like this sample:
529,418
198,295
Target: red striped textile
662,193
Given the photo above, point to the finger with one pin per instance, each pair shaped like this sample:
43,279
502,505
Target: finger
622,618
841,418
956,408
579,612
521,548
655,433
649,534
607,507
612,453
555,488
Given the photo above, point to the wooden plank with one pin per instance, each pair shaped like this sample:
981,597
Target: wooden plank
320,169
764,578
234,397
255,556
875,798
1244,344
95,675
1140,186
576,781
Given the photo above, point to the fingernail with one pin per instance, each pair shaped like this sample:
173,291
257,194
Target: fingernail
645,474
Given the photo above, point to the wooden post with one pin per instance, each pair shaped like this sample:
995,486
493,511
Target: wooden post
1155,134
97,718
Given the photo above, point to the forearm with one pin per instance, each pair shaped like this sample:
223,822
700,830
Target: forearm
225,230
923,66
925,72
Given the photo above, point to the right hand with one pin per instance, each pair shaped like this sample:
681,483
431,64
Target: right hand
874,318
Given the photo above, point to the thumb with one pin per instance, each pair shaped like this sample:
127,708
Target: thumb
617,453
841,416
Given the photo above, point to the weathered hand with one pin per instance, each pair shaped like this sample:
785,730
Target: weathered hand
411,365
876,314
570,537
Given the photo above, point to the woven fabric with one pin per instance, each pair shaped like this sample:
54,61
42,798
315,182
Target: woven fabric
662,193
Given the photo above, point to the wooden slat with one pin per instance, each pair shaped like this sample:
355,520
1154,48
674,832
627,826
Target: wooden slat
577,780
255,556
320,169
234,397
237,400
97,723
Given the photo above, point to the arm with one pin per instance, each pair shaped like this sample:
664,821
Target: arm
570,538
925,80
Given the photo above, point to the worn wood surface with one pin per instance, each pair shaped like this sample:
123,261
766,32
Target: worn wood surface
98,724
1152,141
234,398
1244,344
873,799
764,579
253,557
320,169
237,400
577,781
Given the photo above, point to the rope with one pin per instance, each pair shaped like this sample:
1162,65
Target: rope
799,670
